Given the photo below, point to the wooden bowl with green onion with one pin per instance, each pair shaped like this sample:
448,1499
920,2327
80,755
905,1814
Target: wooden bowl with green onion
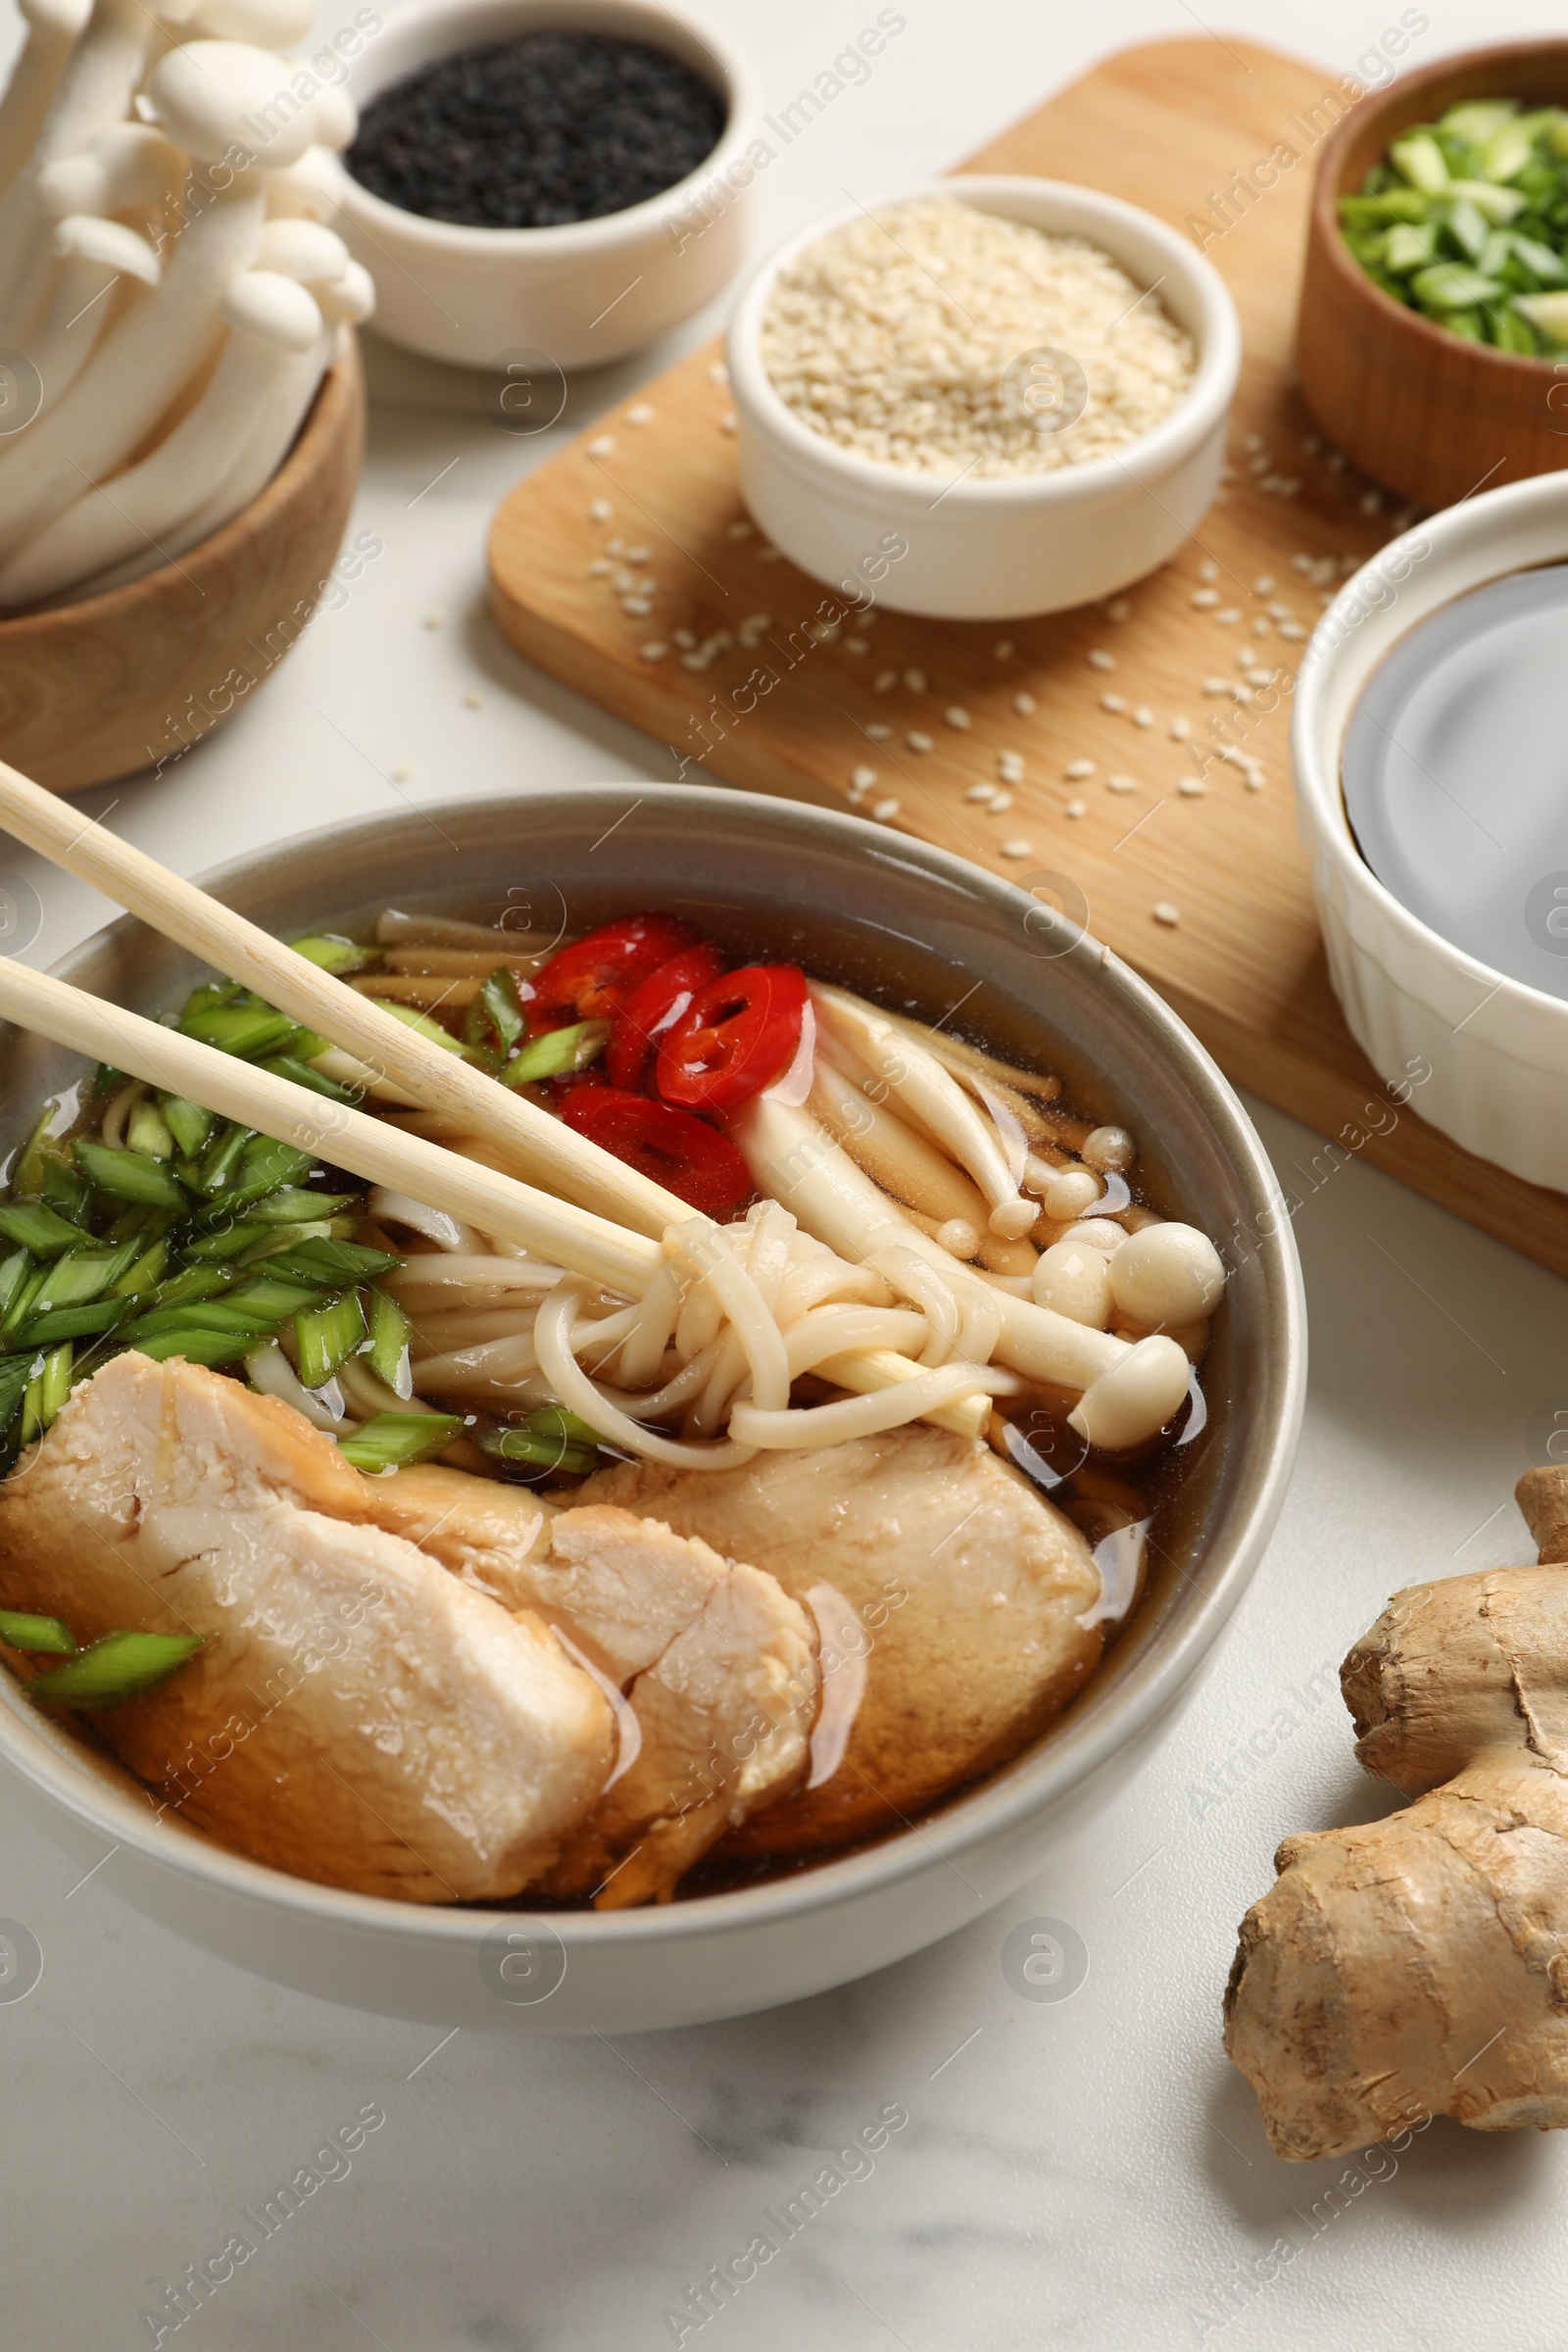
1424,409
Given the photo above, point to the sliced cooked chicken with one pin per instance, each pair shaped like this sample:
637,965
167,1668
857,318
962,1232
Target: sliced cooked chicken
722,1676
486,1532
357,1715
968,1586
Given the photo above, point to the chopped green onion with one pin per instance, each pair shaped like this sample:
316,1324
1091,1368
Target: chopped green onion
223,1157
227,1242
64,1187
241,1029
556,1051
391,1441
301,1074
1507,152
12,1271
1450,286
271,1301
128,1175
388,1352
540,1453
281,1239
210,1348
334,955
422,1025
189,1123
195,1314
47,1391
326,1335
290,1206
120,1666
1546,313
1419,159
193,1282
495,1019
1499,206
27,1174
73,1323
37,1634
145,1274
147,1130
16,1371
20,1304
210,992
38,1228
326,1264
82,1275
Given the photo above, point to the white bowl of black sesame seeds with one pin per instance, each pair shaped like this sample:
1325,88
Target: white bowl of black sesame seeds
995,396
545,180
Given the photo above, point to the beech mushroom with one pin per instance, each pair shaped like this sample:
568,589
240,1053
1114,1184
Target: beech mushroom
271,319
132,167
53,29
266,24
96,254
1167,1276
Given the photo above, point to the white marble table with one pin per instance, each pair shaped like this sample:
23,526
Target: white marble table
1086,2173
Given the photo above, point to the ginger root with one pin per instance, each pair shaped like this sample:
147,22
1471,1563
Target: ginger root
1418,1965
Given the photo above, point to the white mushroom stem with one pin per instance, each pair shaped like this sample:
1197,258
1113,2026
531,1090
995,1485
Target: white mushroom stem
305,190
304,249
93,93
132,168
54,27
271,321
790,1155
97,255
933,1097
217,97
134,375
268,24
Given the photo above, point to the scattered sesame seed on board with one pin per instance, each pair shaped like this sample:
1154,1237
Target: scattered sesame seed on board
654,652
981,791
1001,801
1142,716
1190,786
885,681
1025,704
886,810
1209,570
1115,703
601,511
741,530
641,414
1003,649
1166,913
958,716
864,778
1077,770
1180,729
1229,616
603,444
1099,659
1076,809
916,680
878,732
918,742
1010,767
1119,609
435,618
1017,849
729,423
472,700
1216,685
1264,585
402,772
718,372
1205,598
1121,783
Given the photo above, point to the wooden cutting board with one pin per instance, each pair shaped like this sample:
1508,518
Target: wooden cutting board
1166,125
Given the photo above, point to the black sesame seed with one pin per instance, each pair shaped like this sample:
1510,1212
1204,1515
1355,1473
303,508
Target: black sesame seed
535,132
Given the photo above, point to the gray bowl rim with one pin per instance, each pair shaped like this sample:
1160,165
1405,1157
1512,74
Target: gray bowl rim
1023,1793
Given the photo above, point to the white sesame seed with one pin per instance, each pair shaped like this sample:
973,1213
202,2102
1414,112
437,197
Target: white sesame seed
638,555
864,778
1003,649
435,618
1216,685
1010,767
857,645
918,742
637,607
1017,849
741,530
1001,801
1119,609
600,569
1258,677
1349,563
1264,585
1279,612
472,700
1113,702
1099,659
1209,571
1180,729
1166,913
1121,783
729,423
654,652
601,445
1262,627
682,637
1371,501
981,793
885,681
1240,694
642,413
1294,630
624,581
957,717
1077,809
601,511
1190,786
1024,704
1254,783
1252,443
718,372
916,680
758,623
1230,616
402,771
1301,561
615,547
1142,716
768,555
1205,598
1076,769
878,732
886,809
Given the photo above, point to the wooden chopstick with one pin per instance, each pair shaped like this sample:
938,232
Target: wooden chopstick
550,1151
558,1231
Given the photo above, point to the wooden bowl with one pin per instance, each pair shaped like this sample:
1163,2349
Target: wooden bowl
1422,410
130,681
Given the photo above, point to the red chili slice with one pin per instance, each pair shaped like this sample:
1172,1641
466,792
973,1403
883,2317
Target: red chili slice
654,1006
591,980
683,1154
736,1038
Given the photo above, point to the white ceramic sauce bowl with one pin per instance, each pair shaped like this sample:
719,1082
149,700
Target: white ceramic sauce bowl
581,294
850,898
1496,1050
998,549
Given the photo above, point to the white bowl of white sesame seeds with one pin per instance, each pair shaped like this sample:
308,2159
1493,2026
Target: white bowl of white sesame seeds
989,396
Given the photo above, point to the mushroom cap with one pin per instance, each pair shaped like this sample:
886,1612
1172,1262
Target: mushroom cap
214,96
337,117
349,299
86,237
302,249
271,309
266,24
304,191
66,17
1167,1274
125,167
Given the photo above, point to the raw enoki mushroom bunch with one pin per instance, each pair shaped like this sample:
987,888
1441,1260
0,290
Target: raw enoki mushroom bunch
171,294
830,1275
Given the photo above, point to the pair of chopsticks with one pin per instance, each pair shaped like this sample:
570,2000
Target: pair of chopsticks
607,1229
